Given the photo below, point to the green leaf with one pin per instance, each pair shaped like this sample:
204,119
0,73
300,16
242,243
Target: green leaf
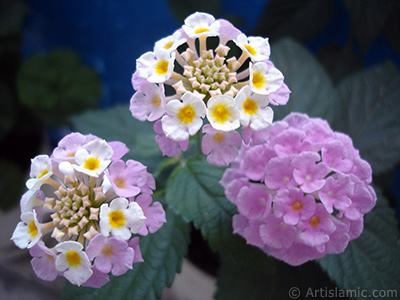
370,262
295,18
58,85
194,192
162,252
371,99
312,90
117,124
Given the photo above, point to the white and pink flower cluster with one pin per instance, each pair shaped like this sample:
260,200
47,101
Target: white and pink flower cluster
207,71
84,211
302,192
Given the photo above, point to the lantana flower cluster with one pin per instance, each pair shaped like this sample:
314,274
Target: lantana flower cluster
302,193
84,211
207,72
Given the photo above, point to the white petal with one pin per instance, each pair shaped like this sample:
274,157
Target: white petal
136,217
122,233
119,204
20,236
100,149
68,246
39,164
174,129
66,168
173,107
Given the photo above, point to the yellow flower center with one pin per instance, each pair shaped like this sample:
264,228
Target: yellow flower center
201,30
49,257
258,80
250,106
219,137
251,50
73,258
168,45
120,182
220,113
116,219
162,67
186,114
44,172
92,164
107,250
156,101
297,205
32,229
314,221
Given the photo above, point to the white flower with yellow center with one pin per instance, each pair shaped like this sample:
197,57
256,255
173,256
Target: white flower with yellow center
222,113
257,48
28,232
41,170
254,109
156,66
121,218
170,43
74,262
265,80
94,158
184,118
201,24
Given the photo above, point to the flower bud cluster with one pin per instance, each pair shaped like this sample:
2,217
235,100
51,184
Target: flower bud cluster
84,211
302,193
207,71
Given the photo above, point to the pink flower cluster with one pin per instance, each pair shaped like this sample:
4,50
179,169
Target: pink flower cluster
84,211
302,193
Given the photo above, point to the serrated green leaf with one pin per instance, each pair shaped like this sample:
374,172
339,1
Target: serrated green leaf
312,90
194,192
372,117
162,252
117,124
370,262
